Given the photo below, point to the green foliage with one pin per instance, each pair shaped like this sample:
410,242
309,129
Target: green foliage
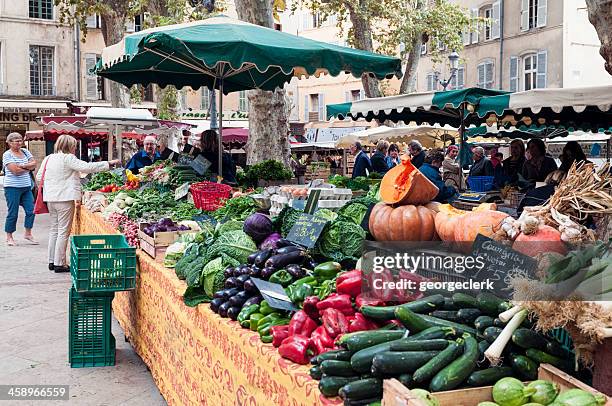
235,244
341,240
236,208
167,105
265,170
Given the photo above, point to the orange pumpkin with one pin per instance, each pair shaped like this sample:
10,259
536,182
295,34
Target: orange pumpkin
405,184
545,239
454,225
403,223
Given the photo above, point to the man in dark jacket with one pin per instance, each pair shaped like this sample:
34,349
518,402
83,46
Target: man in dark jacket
417,153
431,170
362,162
482,165
379,159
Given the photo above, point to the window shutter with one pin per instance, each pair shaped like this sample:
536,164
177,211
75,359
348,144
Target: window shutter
361,94
481,75
465,34
305,21
514,75
461,78
477,28
91,21
489,75
524,15
92,81
322,107
306,107
424,48
541,80
542,10
496,23
347,97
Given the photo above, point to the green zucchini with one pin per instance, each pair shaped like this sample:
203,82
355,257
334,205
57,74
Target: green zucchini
316,373
482,347
339,355
457,371
424,305
364,339
489,304
491,333
462,301
483,322
498,323
553,347
396,363
488,376
526,338
374,401
468,315
420,345
337,368
433,332
420,322
449,304
330,385
524,367
361,389
504,306
450,315
405,379
361,361
434,365
543,358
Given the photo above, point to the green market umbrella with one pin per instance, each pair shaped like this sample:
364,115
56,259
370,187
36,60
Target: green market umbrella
231,55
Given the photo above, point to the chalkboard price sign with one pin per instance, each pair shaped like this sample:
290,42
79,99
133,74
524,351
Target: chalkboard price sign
306,230
200,165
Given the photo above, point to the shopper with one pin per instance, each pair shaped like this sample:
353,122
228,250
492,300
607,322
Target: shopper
513,165
209,142
452,174
17,164
431,170
538,166
166,153
146,157
379,159
572,152
482,165
418,155
61,189
362,163
393,158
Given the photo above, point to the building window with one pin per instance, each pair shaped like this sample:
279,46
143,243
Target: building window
356,95
485,75
41,9
534,70
146,92
278,27
533,14
243,101
424,48
41,71
432,81
94,84
488,29
205,100
317,20
458,81
93,21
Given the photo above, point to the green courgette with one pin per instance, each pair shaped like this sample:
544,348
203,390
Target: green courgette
488,376
491,333
457,371
316,373
433,332
396,363
543,358
449,304
420,345
364,339
424,305
330,385
434,365
524,367
420,322
462,301
526,338
489,304
405,379
483,322
482,347
450,315
337,368
362,389
339,355
468,315
361,361
498,323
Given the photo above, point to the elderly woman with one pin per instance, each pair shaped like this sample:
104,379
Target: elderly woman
513,165
17,163
60,177
417,153
209,142
379,159
451,170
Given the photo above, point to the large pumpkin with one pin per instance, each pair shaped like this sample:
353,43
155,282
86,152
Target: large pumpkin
405,184
403,223
454,225
545,239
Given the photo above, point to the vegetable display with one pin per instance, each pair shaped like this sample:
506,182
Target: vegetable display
403,223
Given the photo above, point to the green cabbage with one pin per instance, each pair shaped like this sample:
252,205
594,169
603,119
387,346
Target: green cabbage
341,240
326,214
235,244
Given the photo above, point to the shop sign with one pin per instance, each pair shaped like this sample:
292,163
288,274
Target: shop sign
227,115
17,115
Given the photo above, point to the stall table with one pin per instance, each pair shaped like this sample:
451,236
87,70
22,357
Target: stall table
195,356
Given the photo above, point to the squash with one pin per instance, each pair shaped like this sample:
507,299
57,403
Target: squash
405,184
403,223
455,225
545,239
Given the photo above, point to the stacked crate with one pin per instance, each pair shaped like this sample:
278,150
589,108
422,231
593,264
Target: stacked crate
100,265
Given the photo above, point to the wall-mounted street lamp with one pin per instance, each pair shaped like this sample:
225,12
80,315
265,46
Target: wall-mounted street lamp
453,59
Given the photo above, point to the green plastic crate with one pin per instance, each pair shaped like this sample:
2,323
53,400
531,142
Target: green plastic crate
102,263
91,342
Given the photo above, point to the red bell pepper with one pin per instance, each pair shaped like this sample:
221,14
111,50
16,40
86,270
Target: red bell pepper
297,349
335,322
361,323
360,301
310,307
349,283
301,324
341,303
378,287
321,341
279,333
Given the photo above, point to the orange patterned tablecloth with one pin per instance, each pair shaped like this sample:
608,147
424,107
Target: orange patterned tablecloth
195,356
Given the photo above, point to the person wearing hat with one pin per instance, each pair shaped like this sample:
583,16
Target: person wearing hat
145,157
362,162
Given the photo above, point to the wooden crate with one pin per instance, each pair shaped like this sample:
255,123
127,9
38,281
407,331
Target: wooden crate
159,239
396,394
156,252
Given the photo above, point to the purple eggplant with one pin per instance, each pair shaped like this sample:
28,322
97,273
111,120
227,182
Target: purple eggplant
253,300
296,271
263,256
233,312
230,282
249,286
283,243
287,249
254,271
215,303
241,280
267,272
222,311
229,271
282,260
239,299
251,258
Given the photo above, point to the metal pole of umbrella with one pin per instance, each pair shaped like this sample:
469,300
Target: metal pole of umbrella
220,134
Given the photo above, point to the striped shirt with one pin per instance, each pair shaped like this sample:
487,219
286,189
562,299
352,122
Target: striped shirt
11,179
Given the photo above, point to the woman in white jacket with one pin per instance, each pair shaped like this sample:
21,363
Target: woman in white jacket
61,189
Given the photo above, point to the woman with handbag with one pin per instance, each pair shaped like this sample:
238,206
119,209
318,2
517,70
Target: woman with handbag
17,163
60,187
